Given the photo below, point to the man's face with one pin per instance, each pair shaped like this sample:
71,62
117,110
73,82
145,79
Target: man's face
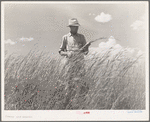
73,29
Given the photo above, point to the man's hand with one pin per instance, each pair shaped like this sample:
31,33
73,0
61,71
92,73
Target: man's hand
85,47
85,53
69,54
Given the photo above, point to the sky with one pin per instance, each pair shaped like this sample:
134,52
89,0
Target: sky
42,25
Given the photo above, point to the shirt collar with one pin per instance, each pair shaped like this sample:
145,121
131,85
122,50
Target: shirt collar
70,34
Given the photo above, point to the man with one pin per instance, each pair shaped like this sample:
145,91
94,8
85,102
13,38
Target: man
71,46
72,41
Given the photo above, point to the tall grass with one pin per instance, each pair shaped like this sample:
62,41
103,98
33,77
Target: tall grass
38,80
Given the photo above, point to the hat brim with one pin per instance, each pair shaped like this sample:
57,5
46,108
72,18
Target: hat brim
74,25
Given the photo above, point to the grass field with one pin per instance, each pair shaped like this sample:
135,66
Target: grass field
37,81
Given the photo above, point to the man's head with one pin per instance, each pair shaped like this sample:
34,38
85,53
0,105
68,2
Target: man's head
73,29
73,24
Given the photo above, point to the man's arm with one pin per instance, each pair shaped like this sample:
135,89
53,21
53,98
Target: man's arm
85,50
62,50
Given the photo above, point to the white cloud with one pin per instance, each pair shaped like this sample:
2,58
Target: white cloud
133,52
114,49
137,25
130,50
141,23
139,53
103,17
104,46
118,46
26,39
110,43
9,41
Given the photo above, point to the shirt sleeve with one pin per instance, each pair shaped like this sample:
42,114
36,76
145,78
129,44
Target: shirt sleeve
63,44
84,42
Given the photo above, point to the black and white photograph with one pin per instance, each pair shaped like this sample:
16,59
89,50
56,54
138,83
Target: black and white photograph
74,60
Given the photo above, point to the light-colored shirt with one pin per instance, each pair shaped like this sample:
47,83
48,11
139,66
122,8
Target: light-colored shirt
72,42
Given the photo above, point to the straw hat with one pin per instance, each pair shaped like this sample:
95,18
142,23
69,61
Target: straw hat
73,22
